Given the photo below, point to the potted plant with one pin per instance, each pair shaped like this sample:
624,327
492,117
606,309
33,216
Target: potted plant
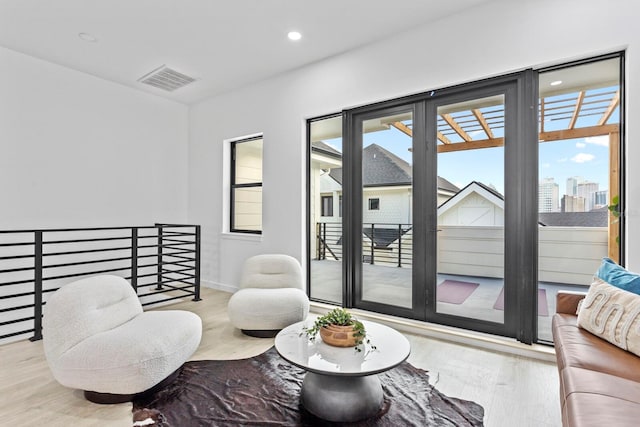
339,328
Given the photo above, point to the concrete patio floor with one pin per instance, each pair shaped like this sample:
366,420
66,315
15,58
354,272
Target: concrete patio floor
392,285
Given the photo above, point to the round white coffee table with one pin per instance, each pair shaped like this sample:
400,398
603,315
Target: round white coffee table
341,384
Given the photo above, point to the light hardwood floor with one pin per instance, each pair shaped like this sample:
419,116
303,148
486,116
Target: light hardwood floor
515,391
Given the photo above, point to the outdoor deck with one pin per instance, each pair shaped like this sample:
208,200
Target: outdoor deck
391,285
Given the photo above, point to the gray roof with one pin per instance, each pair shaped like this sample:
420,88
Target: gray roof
595,218
336,174
489,189
443,184
381,168
324,148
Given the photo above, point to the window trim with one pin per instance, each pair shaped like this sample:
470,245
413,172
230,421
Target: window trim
234,186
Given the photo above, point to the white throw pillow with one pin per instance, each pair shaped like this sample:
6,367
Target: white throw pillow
612,314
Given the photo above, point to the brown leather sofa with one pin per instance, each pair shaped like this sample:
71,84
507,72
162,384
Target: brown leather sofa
599,382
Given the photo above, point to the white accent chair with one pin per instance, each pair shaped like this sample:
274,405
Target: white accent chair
98,339
271,295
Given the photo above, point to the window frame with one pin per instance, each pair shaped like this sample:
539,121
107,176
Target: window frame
372,201
523,191
329,206
234,185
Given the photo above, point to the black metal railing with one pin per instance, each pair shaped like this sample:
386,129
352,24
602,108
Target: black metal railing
162,263
329,240
384,244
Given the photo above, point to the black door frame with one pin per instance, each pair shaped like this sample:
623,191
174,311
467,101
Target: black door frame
352,209
521,182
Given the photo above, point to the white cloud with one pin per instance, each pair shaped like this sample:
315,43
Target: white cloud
580,145
562,160
546,165
602,140
582,158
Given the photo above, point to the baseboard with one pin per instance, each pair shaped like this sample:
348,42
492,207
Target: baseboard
218,286
456,335
446,333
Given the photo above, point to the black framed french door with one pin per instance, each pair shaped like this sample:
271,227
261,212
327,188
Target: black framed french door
380,206
440,197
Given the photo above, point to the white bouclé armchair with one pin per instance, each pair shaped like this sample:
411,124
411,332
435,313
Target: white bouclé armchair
98,339
271,295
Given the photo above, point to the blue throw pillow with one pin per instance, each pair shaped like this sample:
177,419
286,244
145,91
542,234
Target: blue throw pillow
618,276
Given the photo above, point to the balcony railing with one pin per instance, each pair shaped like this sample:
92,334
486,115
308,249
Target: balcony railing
161,261
385,244
567,255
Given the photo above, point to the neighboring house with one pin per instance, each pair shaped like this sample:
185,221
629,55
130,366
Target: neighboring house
387,196
480,205
470,221
325,193
329,198
474,205
387,187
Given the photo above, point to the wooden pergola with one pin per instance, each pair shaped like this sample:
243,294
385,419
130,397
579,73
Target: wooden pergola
476,126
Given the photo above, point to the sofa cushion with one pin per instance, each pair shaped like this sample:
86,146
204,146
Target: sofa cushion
612,314
582,387
580,380
618,276
576,347
591,409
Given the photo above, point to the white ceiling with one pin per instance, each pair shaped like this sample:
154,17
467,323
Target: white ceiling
224,44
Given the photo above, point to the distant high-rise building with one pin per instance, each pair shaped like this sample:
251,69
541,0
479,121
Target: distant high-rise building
601,198
572,185
572,203
548,196
588,190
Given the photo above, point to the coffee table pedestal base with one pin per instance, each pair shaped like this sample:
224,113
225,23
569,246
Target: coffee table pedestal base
341,398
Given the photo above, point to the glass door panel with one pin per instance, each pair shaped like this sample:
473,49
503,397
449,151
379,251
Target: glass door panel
579,149
387,204
433,229
471,205
325,228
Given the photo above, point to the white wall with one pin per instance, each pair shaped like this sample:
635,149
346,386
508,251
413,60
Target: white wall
490,40
566,254
79,151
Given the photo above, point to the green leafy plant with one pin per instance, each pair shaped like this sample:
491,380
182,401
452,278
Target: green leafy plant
614,208
339,317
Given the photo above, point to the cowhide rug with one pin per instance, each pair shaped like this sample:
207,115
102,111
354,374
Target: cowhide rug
265,391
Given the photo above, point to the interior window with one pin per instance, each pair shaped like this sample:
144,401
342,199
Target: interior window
246,185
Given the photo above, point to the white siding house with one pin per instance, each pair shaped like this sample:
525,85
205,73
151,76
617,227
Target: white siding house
387,186
475,205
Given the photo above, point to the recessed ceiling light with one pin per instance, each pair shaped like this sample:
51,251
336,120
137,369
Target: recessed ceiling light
556,83
294,35
88,37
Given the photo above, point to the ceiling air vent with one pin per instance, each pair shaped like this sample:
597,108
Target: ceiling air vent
165,78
